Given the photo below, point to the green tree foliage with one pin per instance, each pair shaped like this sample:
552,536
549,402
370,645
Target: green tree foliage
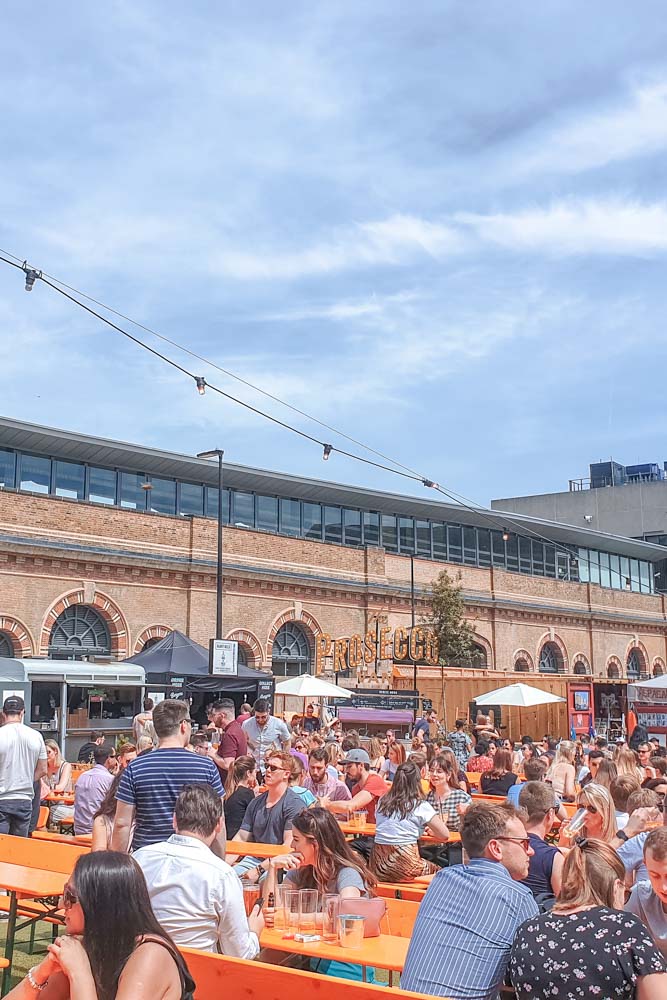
456,637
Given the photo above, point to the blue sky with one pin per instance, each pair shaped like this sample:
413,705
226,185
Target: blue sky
440,226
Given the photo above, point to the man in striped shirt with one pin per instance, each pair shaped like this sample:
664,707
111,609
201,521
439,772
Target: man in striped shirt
467,921
151,784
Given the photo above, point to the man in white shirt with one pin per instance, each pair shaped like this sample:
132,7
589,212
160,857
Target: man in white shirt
22,763
195,895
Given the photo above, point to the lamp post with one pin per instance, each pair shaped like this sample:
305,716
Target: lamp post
219,454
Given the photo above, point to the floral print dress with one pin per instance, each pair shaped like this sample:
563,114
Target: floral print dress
594,953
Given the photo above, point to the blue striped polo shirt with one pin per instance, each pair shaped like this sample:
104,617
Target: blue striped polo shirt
151,784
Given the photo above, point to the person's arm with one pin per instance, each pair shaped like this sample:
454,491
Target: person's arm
636,824
557,873
438,828
65,777
569,791
40,769
57,987
285,738
219,845
120,838
653,987
359,801
100,840
238,935
73,960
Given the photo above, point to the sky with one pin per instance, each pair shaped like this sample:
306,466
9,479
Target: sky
439,227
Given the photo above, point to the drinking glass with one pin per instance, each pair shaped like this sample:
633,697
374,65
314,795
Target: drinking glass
351,930
290,899
359,818
279,919
251,893
308,910
330,909
577,823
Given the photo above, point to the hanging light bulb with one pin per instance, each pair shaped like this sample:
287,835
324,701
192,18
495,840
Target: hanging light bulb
506,535
201,384
328,448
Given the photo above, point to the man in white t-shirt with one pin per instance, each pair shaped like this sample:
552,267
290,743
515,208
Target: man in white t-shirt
22,762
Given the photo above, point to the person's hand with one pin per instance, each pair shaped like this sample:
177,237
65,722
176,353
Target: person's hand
641,820
47,967
256,921
325,802
285,861
70,955
461,808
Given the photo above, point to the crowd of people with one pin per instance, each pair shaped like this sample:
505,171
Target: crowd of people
547,903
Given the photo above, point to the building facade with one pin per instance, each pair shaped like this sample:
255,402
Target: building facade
105,547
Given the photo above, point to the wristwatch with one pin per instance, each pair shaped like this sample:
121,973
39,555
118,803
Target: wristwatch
622,835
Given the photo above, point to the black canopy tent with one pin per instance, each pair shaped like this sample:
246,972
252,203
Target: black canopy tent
181,663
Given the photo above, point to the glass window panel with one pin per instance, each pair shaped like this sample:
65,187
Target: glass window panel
454,543
371,528
352,526
70,480
525,557
634,575
267,513
212,503
162,496
470,546
7,468
484,544
538,558
35,474
243,509
605,579
290,517
584,566
550,560
498,548
389,533
423,529
131,494
406,527
625,573
102,486
644,577
333,524
594,565
615,572
191,499
439,541
562,565
512,546
312,521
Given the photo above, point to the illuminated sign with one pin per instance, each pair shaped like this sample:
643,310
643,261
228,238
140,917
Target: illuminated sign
402,645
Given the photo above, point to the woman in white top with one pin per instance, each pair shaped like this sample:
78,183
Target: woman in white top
401,817
58,779
561,774
395,757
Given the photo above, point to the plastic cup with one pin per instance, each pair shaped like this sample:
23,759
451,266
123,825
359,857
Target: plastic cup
359,818
330,910
279,918
290,900
577,823
350,930
251,893
308,899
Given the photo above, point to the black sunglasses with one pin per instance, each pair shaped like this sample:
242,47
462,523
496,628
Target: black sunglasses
69,897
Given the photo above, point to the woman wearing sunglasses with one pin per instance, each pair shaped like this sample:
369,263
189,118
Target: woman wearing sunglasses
600,819
114,948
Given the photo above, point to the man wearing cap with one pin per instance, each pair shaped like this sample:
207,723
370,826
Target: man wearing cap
22,763
368,787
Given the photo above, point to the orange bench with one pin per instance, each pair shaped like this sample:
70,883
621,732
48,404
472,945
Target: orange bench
217,974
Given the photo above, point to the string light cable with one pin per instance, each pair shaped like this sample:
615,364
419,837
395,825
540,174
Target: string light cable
486,514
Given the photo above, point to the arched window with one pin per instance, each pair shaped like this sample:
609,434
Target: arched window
79,631
581,667
635,664
613,671
291,653
6,645
551,659
153,641
521,666
243,656
658,669
477,657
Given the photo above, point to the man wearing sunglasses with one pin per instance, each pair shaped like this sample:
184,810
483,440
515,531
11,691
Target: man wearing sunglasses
151,784
468,919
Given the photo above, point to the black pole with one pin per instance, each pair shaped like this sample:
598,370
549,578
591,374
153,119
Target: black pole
412,610
218,579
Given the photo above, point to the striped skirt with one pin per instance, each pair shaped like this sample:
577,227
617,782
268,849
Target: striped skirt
399,862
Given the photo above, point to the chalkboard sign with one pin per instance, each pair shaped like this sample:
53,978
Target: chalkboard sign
383,700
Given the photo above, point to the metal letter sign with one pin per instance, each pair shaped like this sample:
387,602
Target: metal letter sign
223,657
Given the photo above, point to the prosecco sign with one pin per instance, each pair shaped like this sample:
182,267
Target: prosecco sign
402,645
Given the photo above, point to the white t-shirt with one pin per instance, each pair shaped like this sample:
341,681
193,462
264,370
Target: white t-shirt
20,749
393,830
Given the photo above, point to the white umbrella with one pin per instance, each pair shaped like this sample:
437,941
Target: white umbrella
521,695
307,686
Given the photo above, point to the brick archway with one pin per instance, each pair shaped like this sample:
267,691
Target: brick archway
658,667
636,644
485,645
19,635
105,606
251,645
152,632
614,669
555,639
580,664
312,629
523,656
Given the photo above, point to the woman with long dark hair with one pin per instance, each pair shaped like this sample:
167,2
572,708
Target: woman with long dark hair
401,817
240,790
114,948
501,777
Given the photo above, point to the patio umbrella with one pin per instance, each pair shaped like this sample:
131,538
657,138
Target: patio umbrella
519,695
307,686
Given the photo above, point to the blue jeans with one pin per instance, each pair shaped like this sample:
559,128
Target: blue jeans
15,816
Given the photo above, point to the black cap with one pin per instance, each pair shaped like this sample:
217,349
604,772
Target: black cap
13,705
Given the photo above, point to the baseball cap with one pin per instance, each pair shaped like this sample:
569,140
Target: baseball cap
356,757
13,705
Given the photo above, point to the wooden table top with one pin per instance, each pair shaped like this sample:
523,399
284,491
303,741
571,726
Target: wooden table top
383,952
66,797
256,850
368,830
31,882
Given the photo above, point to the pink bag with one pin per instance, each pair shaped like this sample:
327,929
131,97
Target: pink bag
372,910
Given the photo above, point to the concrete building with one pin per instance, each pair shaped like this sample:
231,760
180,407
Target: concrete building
107,546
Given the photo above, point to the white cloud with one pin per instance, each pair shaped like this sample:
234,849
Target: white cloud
636,129
583,226
392,241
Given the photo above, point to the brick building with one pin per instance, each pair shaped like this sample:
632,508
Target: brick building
106,546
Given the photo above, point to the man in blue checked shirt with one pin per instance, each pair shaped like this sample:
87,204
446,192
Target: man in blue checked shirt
467,921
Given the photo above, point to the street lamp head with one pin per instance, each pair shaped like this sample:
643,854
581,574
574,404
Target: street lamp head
31,275
214,453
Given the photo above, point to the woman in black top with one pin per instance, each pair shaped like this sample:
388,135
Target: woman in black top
500,778
240,789
586,946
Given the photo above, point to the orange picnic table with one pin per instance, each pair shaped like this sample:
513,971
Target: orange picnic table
25,883
383,952
65,797
256,850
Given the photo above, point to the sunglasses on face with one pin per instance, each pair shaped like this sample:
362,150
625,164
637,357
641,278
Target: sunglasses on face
274,767
591,809
524,841
69,897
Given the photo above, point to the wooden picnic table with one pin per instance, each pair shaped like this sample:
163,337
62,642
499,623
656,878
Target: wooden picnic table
383,952
65,797
368,830
25,883
248,847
